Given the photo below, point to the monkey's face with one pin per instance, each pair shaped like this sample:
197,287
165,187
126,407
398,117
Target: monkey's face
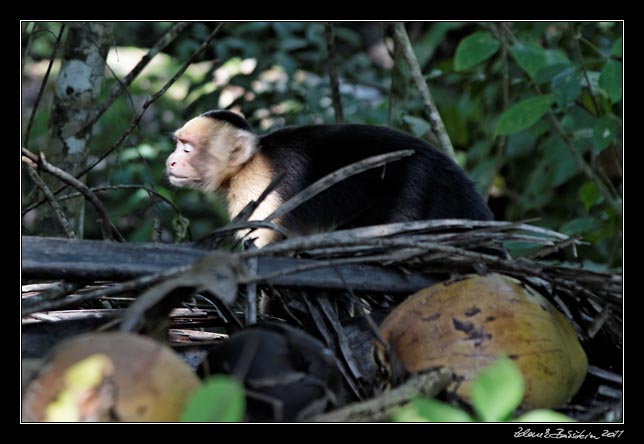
208,152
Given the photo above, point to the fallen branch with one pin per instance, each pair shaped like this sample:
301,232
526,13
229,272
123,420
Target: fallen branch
380,408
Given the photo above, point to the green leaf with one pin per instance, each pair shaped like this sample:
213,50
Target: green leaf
520,145
426,45
417,125
611,80
581,225
475,49
558,162
523,115
566,87
589,195
497,391
293,43
543,415
425,409
219,399
604,132
530,56
408,413
546,73
616,49
348,35
554,56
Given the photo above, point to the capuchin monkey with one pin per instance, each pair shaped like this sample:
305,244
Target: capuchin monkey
219,151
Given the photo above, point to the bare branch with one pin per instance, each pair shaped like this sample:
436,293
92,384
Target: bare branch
402,39
131,285
106,226
149,190
43,84
333,75
576,37
381,407
119,87
48,292
153,99
51,199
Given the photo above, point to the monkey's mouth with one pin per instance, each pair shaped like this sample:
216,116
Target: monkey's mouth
176,179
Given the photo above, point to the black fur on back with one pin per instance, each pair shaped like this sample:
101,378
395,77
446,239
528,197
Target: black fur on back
226,116
425,185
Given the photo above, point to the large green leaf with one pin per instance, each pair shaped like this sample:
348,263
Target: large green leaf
530,56
523,115
219,399
589,195
611,80
604,131
475,49
558,163
425,409
543,415
497,391
556,56
547,73
566,87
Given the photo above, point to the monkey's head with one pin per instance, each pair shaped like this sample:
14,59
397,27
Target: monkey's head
210,149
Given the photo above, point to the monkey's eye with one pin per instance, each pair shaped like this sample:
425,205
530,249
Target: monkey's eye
187,147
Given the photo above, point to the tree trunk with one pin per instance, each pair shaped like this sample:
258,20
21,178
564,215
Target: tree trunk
78,88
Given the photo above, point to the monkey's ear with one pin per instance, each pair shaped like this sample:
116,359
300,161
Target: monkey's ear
244,148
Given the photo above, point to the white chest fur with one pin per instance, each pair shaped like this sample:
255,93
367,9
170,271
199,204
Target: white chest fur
248,184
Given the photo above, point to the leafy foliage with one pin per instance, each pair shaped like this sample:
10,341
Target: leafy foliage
219,399
498,87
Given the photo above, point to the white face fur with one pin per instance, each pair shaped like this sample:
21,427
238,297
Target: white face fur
208,153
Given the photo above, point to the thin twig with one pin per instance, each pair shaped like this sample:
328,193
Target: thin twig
333,75
150,191
52,292
576,37
250,208
107,229
251,291
51,199
337,176
381,407
26,42
151,100
131,285
588,171
356,235
43,84
119,87
502,142
438,127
